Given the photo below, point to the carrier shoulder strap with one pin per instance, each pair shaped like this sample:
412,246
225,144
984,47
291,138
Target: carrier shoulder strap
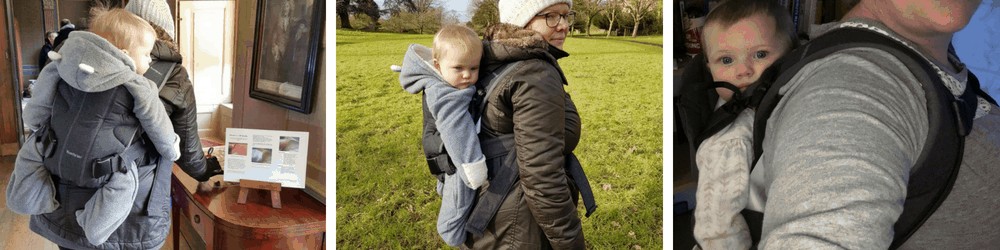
485,86
159,72
933,175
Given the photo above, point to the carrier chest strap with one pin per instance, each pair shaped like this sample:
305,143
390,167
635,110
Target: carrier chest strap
119,162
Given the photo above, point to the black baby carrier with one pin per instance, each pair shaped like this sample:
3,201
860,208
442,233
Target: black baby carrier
931,177
501,158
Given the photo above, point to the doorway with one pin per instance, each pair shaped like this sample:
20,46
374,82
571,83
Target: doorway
206,34
10,106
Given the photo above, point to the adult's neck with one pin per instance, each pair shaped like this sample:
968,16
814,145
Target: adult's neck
931,43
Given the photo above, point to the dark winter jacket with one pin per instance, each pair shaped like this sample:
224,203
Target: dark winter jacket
178,97
63,34
43,57
530,102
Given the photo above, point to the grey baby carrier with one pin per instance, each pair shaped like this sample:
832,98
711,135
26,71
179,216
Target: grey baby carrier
91,135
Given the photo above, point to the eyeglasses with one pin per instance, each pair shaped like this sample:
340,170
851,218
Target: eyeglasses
552,19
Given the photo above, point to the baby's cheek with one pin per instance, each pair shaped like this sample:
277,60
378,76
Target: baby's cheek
719,74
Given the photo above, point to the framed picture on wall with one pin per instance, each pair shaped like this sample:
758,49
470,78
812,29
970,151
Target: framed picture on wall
286,47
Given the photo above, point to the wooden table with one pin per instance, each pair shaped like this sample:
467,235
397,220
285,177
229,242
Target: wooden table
213,219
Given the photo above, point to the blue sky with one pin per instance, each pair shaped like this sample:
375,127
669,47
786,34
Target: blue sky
976,45
461,7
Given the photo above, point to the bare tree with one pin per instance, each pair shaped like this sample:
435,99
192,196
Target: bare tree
638,9
394,7
370,9
587,9
416,16
344,10
450,17
611,9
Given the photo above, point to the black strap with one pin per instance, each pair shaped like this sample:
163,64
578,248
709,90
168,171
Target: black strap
575,171
159,72
119,162
755,220
483,92
503,173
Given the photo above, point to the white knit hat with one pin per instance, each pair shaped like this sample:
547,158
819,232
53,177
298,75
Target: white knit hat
519,12
155,11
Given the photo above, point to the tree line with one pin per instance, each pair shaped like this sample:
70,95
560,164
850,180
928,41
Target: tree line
611,17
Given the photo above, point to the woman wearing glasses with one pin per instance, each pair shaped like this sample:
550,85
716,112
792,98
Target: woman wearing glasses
528,102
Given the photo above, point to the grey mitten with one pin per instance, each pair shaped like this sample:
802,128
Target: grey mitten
109,207
30,190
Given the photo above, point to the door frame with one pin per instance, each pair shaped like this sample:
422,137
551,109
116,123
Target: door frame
15,76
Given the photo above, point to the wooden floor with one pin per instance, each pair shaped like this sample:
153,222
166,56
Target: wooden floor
14,231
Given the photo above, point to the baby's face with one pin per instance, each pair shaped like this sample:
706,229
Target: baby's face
739,53
140,55
459,68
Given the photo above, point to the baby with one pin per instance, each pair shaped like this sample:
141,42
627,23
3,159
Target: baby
741,38
447,76
115,54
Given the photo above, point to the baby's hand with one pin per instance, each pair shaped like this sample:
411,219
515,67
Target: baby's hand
175,148
476,173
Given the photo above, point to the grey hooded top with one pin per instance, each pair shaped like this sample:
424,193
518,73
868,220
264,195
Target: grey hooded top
110,68
448,105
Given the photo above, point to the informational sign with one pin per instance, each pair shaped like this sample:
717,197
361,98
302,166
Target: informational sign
266,155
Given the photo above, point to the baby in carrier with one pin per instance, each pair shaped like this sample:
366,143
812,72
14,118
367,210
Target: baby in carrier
94,117
742,39
447,75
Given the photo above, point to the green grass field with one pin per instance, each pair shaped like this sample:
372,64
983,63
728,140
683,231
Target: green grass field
385,197
642,39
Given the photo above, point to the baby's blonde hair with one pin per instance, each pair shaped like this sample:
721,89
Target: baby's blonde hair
459,37
120,27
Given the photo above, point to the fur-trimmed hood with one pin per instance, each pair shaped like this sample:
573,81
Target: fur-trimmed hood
165,48
507,43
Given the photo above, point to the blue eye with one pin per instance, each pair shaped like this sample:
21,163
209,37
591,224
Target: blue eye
760,54
726,60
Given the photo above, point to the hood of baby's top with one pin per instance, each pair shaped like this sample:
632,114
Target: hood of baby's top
92,64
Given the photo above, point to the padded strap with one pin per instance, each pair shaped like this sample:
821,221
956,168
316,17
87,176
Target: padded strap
159,72
503,176
484,92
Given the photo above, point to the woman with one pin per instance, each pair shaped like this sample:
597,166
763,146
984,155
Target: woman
530,103
842,141
178,99
177,92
